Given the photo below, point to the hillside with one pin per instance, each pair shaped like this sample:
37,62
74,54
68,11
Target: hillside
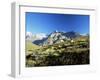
63,53
30,47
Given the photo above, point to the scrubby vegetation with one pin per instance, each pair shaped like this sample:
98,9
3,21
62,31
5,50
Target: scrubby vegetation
73,52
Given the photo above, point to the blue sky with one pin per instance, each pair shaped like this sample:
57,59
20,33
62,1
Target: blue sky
47,23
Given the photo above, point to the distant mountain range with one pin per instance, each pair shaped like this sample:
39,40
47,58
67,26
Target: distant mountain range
31,37
54,37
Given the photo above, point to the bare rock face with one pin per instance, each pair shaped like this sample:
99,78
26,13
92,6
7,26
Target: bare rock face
58,37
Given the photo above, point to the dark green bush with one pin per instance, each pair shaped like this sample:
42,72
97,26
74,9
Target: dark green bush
64,58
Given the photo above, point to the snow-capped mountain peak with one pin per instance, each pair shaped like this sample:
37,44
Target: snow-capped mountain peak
40,36
53,38
28,35
33,37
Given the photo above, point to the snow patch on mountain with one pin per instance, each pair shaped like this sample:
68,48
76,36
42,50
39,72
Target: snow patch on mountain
39,36
29,35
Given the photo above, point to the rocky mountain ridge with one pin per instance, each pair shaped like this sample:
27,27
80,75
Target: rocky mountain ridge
54,37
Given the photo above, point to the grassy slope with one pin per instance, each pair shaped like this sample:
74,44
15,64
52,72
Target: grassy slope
30,47
66,53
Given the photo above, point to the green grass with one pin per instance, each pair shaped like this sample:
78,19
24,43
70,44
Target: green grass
65,53
30,47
